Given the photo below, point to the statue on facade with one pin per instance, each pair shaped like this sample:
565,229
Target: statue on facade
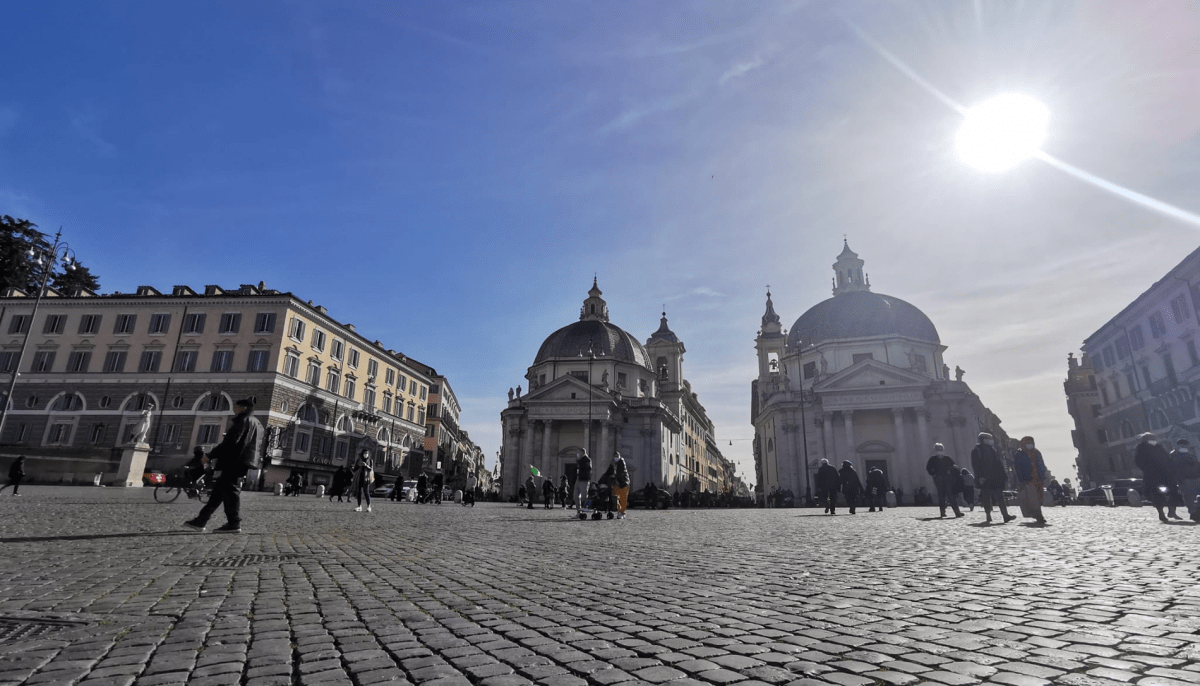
643,387
946,372
143,427
510,393
958,373
604,379
518,392
824,364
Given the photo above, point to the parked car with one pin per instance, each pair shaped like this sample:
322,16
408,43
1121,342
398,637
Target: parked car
383,491
1120,490
638,499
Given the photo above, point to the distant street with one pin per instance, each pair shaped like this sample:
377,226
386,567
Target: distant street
501,596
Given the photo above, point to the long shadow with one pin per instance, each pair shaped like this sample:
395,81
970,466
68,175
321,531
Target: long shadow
95,537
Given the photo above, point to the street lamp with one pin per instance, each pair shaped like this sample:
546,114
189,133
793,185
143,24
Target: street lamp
591,359
45,259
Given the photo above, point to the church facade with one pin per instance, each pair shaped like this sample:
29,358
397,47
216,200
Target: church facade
594,387
859,377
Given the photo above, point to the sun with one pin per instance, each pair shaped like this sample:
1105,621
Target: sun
1002,132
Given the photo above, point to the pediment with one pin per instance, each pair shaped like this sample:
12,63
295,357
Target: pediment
561,389
872,374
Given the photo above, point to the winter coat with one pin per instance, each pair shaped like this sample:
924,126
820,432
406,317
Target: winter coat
583,468
851,485
422,483
439,480
609,475
876,481
1027,467
1155,464
944,472
990,474
548,490
622,473
339,481
827,478
362,470
1184,466
240,448
17,470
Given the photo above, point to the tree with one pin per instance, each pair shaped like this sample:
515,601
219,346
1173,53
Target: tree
17,270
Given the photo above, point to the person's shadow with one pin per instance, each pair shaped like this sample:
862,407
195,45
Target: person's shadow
95,537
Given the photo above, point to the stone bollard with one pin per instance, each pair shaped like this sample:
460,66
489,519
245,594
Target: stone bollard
278,488
891,498
458,496
320,490
1133,498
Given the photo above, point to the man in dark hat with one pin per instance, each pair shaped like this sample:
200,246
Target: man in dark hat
237,454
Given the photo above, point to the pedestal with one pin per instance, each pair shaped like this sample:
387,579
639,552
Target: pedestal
133,465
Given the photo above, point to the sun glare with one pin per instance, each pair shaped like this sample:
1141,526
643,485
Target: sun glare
1002,132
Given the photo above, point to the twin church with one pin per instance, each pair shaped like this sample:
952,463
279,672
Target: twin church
858,377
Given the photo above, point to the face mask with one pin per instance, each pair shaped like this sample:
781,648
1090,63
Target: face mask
1029,447
989,442
1183,450
1152,442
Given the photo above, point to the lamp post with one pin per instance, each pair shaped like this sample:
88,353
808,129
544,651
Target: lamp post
45,259
588,434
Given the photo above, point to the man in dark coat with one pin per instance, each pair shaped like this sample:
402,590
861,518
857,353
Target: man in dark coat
1155,463
338,484
439,485
876,488
16,474
239,452
945,475
828,484
851,485
990,476
548,493
564,489
583,475
1185,469
422,488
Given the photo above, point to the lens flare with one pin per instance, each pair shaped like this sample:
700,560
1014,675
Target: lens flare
1002,132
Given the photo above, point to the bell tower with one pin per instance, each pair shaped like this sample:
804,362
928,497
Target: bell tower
848,272
594,306
770,344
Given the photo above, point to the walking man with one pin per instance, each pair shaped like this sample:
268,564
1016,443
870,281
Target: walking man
364,474
238,453
945,475
828,484
1031,472
583,476
851,486
469,493
876,488
1155,463
1186,471
16,473
990,477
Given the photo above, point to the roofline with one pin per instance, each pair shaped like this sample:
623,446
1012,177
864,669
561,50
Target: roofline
1133,303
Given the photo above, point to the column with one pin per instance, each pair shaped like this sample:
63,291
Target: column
605,456
827,428
901,449
546,467
848,419
923,429
526,449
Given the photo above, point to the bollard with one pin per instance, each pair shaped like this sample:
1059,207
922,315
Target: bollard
278,488
320,490
458,496
891,498
97,479
1133,498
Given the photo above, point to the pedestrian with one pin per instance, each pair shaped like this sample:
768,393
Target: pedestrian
851,485
990,477
899,496
469,493
1056,491
521,495
364,474
605,491
339,484
876,488
828,483
1155,463
236,454
945,477
1031,473
583,476
652,496
16,474
968,487
397,489
621,491
439,485
423,488
530,490
1185,468
563,491
548,493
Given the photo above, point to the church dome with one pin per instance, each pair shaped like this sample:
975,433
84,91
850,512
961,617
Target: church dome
860,314
594,332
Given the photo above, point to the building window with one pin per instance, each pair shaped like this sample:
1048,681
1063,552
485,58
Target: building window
78,361
1136,339
150,361
353,361
859,357
209,434
19,323
318,340
258,360
264,322
185,361
60,433
412,410
114,361
338,350
1157,328
919,363
297,330
343,449
333,381
284,406
43,361
314,373
321,445
125,324
1179,309
1098,363
402,383
8,361
1122,348
387,403
138,403
98,432
222,361
1104,393
303,439
424,393
21,432
1131,381
213,402
1109,358
1169,364
177,402
372,367
307,413
291,365
369,398
89,324
159,323
1158,420
170,434
349,387
105,401
390,377
231,322
421,415
1191,348
55,323
1146,375
68,402
194,323
1117,387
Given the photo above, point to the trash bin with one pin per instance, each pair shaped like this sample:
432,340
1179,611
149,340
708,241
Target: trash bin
278,488
1108,495
97,479
320,490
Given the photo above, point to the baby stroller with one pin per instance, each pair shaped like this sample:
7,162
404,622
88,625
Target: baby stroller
602,501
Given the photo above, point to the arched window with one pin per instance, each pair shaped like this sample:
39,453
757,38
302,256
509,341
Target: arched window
1158,420
1126,428
344,424
137,403
213,402
307,413
67,402
383,436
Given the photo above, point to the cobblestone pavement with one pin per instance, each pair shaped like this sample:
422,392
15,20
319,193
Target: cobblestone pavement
501,596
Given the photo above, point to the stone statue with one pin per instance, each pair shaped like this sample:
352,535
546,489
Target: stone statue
824,364
143,427
662,372
642,387
946,372
518,392
958,373
510,393
604,379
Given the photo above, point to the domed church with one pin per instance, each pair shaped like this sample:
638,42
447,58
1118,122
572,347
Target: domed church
594,386
859,377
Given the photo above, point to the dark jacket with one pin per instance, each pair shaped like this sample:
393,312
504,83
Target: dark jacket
827,478
876,481
1154,463
1027,467
943,470
850,482
622,473
241,446
548,490
989,470
608,477
339,480
1184,466
439,480
422,483
17,469
583,468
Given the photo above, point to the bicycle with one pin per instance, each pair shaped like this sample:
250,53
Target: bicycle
169,491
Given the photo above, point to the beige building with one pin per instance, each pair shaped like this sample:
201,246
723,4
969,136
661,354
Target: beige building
95,362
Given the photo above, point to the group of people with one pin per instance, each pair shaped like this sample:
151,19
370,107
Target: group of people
613,483
356,480
1171,480
990,478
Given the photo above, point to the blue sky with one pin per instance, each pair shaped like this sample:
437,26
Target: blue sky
449,176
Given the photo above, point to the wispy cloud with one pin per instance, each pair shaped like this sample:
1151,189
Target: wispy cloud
84,124
741,69
639,112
